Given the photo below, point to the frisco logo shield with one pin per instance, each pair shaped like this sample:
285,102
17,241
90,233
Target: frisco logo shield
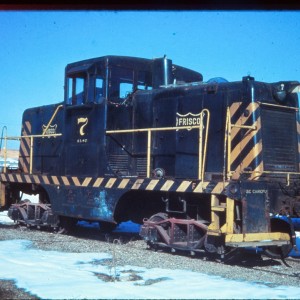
51,129
188,119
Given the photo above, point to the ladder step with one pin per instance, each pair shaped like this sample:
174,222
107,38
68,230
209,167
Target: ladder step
214,232
218,208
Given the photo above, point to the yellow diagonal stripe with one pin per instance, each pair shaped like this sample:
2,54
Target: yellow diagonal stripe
152,184
183,186
123,183
98,182
87,181
137,184
110,182
168,184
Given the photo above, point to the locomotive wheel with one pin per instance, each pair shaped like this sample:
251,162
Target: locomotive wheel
24,201
283,251
278,252
157,218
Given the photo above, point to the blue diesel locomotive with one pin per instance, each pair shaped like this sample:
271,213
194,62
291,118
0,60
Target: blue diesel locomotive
201,165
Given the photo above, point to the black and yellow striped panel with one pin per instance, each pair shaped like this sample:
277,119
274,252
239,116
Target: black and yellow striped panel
147,184
246,144
24,156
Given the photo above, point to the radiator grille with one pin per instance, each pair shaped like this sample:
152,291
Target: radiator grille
141,166
279,140
119,163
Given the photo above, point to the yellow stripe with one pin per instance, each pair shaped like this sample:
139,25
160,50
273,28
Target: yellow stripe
45,180
123,183
219,187
23,147
27,178
25,142
242,119
55,180
98,182
251,108
10,177
234,107
110,182
183,186
24,164
251,155
28,126
76,181
19,178
234,131
152,184
65,180
253,237
243,143
36,179
200,187
137,184
87,181
167,185
257,172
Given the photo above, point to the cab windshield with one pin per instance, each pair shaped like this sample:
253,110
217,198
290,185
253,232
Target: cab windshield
90,86
124,81
83,89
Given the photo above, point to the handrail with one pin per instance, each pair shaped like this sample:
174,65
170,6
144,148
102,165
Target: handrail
202,153
278,106
18,138
227,139
202,148
201,165
287,173
53,116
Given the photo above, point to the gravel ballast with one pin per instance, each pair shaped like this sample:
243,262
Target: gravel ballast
129,249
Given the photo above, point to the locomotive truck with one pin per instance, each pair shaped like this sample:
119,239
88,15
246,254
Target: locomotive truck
202,165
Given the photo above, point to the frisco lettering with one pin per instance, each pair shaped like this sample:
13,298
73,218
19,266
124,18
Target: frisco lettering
187,121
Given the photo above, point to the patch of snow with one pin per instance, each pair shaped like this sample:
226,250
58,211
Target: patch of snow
59,275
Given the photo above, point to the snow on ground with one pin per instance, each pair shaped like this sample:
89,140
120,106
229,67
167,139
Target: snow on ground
4,219
60,275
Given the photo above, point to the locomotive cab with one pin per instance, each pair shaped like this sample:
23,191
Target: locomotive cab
112,78
98,99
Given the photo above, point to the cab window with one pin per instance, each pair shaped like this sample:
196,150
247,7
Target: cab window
121,83
125,89
99,90
76,94
144,80
124,81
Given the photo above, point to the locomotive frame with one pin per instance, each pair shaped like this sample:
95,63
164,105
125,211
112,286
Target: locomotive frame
138,138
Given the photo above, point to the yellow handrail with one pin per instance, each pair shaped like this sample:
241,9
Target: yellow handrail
202,157
18,138
53,116
202,164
